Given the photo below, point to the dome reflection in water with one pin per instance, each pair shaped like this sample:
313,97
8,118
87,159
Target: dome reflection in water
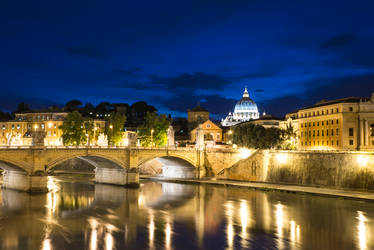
78,214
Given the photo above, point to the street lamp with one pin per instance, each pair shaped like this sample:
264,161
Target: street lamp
152,137
111,126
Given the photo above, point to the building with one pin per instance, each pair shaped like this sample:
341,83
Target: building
211,132
245,110
343,124
42,124
197,115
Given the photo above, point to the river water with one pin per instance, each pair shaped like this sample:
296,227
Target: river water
78,214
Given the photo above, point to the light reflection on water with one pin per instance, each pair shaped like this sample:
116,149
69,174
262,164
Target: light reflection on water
81,215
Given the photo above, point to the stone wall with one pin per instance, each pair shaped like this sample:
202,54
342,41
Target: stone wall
330,169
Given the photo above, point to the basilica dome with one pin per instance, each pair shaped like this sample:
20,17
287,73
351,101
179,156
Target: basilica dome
245,110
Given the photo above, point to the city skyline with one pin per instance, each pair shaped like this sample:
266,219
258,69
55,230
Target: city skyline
289,55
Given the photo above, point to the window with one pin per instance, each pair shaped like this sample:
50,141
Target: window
327,132
350,142
317,132
350,131
332,122
327,143
350,109
314,124
337,143
332,142
322,132
337,121
372,129
337,132
317,123
314,133
322,123
332,132
331,111
301,125
327,122
217,137
301,143
337,110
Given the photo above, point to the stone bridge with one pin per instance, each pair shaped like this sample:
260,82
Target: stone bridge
27,168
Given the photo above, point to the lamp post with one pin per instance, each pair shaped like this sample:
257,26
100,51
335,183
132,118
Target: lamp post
152,137
230,136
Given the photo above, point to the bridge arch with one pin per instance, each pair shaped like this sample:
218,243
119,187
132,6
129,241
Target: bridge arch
169,166
13,166
96,161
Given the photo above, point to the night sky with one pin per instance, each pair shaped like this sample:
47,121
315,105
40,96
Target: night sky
174,54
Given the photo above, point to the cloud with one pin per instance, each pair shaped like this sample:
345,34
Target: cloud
84,51
181,101
322,88
339,41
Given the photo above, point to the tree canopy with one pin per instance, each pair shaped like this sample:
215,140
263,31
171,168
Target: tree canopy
256,136
154,131
114,128
74,129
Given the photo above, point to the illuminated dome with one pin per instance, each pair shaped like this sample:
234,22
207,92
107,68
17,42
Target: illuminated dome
245,110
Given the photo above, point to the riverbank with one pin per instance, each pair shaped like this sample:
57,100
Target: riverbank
337,193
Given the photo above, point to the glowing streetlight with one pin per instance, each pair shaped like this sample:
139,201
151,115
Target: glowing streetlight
111,126
152,136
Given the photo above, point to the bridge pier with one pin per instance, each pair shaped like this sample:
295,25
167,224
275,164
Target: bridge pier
25,182
115,176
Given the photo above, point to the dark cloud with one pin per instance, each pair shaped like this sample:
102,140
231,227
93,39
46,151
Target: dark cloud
217,105
84,51
339,41
322,88
197,80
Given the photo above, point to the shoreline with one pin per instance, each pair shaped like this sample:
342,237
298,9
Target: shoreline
321,191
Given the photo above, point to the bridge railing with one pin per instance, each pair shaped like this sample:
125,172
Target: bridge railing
210,149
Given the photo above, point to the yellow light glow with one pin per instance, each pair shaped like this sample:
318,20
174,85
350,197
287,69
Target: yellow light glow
244,153
151,228
110,126
95,128
50,124
362,230
230,132
36,126
168,233
362,160
282,158
230,227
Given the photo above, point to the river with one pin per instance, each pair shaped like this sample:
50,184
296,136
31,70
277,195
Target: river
79,214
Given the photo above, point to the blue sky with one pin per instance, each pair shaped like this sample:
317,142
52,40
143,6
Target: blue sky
174,54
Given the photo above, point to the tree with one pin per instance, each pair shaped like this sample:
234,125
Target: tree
74,129
256,136
22,107
289,137
154,130
73,105
114,128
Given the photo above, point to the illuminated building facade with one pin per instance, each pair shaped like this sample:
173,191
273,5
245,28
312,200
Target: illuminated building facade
211,132
19,132
343,124
245,110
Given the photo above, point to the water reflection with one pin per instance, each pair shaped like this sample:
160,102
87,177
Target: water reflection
362,230
177,216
